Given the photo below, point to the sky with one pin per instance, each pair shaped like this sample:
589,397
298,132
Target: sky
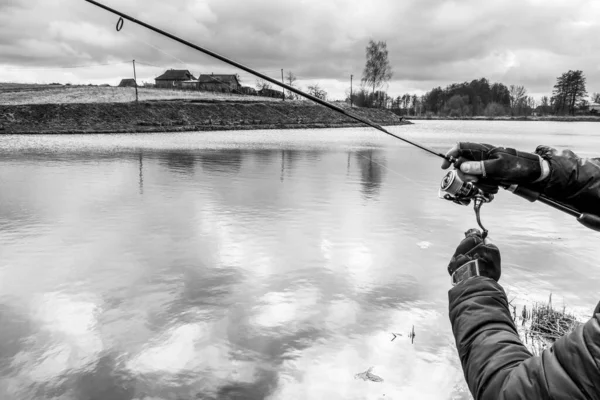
430,42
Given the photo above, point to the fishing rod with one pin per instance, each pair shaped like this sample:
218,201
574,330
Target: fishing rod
452,187
266,78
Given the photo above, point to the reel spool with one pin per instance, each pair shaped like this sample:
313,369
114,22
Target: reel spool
454,189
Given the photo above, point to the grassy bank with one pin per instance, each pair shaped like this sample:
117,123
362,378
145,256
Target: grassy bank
565,118
173,116
17,94
540,325
50,109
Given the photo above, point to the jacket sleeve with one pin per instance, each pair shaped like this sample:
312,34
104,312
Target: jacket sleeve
572,180
497,365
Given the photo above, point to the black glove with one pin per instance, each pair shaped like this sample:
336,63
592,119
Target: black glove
474,247
564,177
489,166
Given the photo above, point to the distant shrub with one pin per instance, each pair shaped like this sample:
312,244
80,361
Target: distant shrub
494,110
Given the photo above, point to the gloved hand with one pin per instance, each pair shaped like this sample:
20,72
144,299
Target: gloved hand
488,166
474,247
564,177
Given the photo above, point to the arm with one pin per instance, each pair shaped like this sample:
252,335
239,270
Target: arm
563,177
572,180
497,365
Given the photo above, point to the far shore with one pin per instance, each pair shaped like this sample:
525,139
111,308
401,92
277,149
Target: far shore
562,118
31,109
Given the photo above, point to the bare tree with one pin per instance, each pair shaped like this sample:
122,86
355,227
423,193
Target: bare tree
317,91
377,70
291,79
262,84
545,105
518,98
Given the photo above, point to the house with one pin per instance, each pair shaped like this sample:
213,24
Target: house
594,107
192,84
173,78
219,83
248,90
129,82
270,93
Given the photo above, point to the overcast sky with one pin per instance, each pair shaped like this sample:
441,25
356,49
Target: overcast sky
430,42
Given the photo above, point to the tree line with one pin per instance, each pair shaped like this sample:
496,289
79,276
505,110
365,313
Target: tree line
479,97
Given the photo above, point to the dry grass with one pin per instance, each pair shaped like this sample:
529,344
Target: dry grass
542,325
14,94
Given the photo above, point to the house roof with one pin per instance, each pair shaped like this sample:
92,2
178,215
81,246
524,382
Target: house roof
175,75
205,78
127,81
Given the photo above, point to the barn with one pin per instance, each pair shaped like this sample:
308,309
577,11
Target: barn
174,78
219,83
128,82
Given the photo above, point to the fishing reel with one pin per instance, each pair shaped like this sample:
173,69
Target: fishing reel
454,189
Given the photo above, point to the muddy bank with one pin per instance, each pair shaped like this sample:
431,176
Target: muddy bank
174,116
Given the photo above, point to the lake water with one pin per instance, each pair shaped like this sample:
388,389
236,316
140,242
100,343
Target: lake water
258,264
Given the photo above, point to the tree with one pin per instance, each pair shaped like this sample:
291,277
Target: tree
569,91
544,105
291,79
518,98
596,97
434,100
494,110
455,106
316,91
480,94
500,94
377,70
262,84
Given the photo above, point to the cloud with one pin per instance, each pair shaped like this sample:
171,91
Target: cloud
430,42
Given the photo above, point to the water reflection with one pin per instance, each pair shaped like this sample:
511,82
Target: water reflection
236,285
104,379
222,161
141,185
179,161
372,166
265,156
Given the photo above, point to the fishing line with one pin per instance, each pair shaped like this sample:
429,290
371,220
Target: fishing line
463,193
156,48
274,81
423,186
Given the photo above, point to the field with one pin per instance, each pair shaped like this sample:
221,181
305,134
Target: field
17,94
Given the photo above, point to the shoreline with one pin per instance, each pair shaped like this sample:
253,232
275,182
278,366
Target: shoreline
577,118
178,116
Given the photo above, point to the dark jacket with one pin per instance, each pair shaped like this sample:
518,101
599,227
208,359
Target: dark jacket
498,366
495,362
572,180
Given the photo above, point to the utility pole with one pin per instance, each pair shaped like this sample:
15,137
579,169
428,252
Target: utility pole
351,91
282,90
135,81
